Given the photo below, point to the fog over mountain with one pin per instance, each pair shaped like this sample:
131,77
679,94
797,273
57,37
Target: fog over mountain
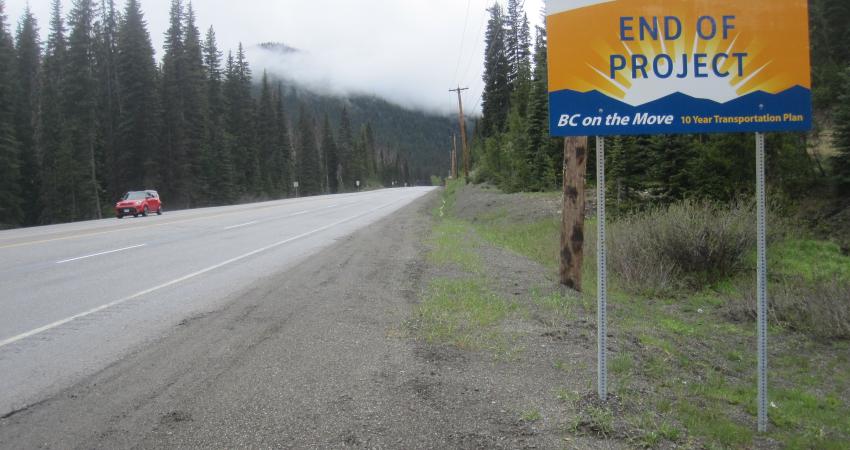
410,52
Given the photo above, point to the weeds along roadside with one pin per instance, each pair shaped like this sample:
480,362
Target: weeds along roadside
681,314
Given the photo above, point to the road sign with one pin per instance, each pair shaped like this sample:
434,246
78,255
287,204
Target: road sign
670,66
295,184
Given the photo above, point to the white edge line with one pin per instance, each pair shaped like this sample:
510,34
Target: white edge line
241,225
58,323
100,254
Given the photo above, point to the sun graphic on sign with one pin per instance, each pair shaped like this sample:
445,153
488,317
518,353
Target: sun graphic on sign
729,78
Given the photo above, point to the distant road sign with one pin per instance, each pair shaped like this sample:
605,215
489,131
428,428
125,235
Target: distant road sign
671,66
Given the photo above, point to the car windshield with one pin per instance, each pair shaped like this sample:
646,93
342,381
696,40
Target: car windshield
133,196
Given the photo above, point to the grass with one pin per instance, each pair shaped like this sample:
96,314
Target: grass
558,307
461,310
463,313
813,260
530,415
533,240
596,421
451,245
695,368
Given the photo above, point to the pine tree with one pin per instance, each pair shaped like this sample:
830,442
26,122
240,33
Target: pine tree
670,157
219,177
517,40
137,152
107,81
309,173
497,89
28,49
174,160
369,153
10,190
283,145
331,159
345,148
58,165
194,108
240,122
548,159
841,162
81,111
266,139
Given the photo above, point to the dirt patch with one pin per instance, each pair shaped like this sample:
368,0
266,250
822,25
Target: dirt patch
484,201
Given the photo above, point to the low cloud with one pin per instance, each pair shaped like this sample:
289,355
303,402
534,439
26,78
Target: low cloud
410,52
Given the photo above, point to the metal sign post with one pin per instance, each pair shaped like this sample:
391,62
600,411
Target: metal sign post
761,284
295,185
602,273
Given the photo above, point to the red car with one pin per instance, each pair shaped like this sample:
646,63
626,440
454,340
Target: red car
137,203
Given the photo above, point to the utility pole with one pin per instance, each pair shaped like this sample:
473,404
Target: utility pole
572,222
454,156
462,131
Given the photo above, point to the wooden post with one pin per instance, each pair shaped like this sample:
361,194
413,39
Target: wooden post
462,125
572,223
454,156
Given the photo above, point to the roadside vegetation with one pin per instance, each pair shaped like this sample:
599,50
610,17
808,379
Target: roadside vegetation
682,304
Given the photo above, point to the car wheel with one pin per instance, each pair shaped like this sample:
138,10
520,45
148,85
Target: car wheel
119,216
159,211
145,211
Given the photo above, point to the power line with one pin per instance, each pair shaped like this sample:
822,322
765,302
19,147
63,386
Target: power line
477,44
462,38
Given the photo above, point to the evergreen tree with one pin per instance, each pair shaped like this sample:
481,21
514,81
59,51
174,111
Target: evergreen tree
267,140
345,149
495,99
668,171
137,151
240,122
10,190
547,155
81,111
830,50
309,172
218,171
174,162
58,165
368,155
517,40
841,162
283,145
517,176
110,108
195,108
331,159
28,49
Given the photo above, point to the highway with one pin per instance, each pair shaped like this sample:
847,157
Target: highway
75,298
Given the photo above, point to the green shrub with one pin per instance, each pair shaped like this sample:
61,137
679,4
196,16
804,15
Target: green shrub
685,245
818,307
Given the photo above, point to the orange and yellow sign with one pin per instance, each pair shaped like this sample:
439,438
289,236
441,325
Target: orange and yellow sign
678,66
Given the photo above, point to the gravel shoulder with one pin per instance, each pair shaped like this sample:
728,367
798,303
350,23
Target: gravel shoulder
320,356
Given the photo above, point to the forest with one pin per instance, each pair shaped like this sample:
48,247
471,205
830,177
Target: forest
91,113
512,148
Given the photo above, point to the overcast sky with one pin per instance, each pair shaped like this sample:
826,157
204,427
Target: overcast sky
409,51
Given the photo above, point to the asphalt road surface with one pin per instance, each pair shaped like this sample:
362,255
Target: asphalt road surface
77,298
